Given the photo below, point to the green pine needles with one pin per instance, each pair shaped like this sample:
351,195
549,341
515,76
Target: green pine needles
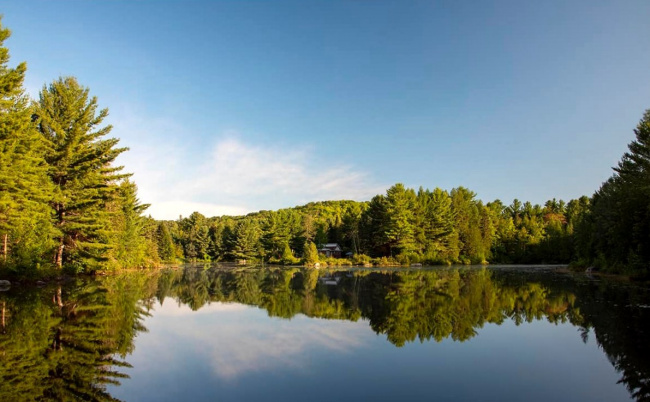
63,202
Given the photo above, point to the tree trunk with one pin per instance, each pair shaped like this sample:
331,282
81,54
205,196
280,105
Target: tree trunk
58,258
58,300
3,316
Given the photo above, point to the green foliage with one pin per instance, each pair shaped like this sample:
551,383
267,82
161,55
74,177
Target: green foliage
361,259
436,232
399,225
132,237
404,227
62,201
165,243
25,226
195,234
615,234
244,242
310,256
80,167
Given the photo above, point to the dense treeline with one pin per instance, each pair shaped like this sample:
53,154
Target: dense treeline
404,226
62,200
609,231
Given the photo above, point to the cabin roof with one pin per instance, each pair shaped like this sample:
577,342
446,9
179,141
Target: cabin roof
331,246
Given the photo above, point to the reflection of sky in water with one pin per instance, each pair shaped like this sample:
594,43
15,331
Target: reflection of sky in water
237,339
236,352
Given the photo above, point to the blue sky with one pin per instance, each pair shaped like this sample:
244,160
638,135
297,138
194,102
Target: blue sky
230,107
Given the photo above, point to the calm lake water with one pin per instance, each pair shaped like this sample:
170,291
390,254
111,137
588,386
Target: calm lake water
224,333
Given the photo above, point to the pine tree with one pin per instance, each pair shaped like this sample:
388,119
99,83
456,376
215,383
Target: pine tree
467,220
24,187
196,237
80,166
245,241
620,212
436,224
372,227
165,243
130,245
634,167
400,218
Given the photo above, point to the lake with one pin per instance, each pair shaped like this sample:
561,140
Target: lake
199,333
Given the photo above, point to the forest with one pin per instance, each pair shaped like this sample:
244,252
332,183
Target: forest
66,205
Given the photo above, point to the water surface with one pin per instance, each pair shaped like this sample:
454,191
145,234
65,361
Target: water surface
498,333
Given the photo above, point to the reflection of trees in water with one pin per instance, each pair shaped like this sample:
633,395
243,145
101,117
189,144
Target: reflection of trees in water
71,341
620,321
446,303
68,342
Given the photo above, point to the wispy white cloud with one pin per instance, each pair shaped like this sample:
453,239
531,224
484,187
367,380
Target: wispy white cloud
229,175
238,169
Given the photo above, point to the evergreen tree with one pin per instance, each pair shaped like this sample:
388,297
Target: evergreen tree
311,253
277,229
165,243
25,225
619,221
400,218
436,225
80,166
467,220
372,227
245,243
195,237
130,245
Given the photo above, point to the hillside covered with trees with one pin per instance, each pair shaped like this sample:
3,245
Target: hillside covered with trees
65,204
406,226
609,231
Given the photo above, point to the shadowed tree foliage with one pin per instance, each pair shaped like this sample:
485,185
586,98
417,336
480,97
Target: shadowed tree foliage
615,234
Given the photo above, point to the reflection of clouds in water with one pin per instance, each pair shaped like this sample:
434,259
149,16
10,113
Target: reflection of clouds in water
259,347
171,308
237,340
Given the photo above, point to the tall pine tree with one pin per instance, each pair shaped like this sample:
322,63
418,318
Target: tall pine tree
81,168
619,224
24,187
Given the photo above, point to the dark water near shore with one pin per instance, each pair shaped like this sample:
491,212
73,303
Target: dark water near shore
471,333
